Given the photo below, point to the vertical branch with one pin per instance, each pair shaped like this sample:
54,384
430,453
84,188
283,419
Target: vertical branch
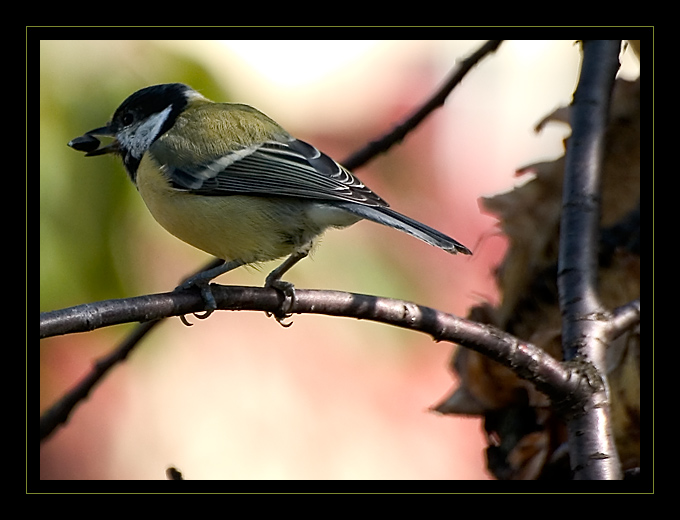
584,335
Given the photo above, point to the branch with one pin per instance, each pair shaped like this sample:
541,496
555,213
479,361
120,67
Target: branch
92,316
564,386
584,326
60,411
51,323
622,319
381,145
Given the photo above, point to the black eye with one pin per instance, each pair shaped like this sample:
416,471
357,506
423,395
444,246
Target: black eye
127,119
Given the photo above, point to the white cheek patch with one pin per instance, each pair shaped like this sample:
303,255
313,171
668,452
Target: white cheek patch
139,138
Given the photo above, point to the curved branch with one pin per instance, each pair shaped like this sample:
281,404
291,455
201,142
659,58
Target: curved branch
561,383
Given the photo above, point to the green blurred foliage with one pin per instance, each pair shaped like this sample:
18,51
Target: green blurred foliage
87,206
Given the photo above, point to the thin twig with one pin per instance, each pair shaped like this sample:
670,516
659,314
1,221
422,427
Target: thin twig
622,319
59,412
382,144
89,316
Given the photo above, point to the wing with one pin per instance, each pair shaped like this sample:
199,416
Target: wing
273,168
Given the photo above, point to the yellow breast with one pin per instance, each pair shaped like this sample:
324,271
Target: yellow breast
249,228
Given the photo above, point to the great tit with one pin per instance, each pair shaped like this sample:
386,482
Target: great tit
229,180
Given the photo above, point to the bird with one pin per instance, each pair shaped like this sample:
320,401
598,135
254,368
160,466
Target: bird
229,180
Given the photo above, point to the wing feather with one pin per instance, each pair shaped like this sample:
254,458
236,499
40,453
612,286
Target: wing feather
285,169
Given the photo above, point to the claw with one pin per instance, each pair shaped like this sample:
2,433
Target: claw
279,319
288,291
206,314
206,294
286,288
202,281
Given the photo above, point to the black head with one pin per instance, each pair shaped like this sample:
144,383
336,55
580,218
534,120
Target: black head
149,101
141,119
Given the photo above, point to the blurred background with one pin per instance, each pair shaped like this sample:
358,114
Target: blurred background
237,396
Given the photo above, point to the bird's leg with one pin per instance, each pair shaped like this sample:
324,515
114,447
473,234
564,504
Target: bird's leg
202,281
288,289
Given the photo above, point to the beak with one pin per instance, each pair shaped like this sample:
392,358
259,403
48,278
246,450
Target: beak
90,144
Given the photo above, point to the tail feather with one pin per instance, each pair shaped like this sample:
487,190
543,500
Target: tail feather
393,219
